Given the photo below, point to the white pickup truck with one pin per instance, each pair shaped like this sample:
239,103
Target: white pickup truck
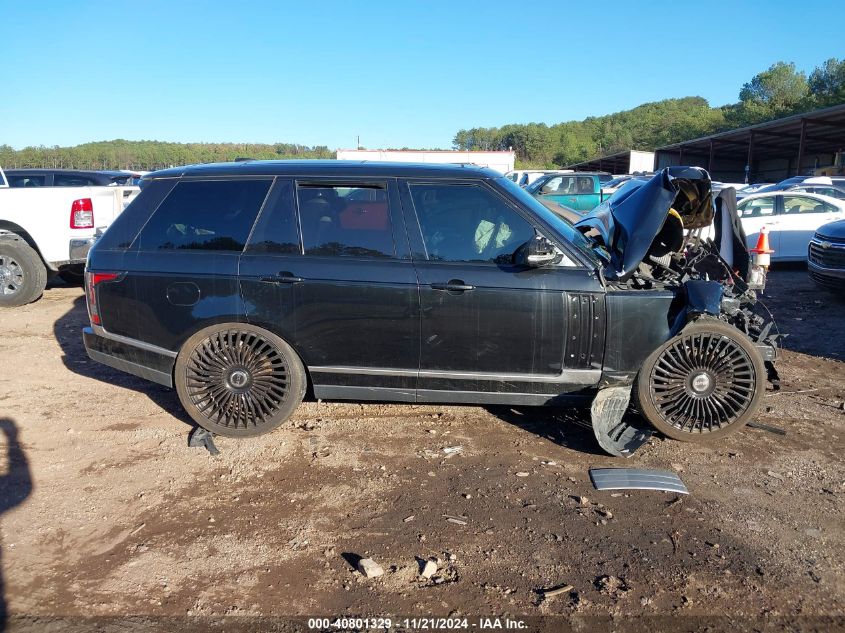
49,230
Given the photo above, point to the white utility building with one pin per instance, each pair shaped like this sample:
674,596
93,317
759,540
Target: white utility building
500,161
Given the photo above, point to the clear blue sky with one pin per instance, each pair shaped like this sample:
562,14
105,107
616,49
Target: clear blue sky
399,73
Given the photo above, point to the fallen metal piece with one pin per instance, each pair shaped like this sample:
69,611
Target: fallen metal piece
636,479
199,437
550,593
614,434
766,427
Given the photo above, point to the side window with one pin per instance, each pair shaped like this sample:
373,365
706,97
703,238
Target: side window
125,227
345,220
757,207
213,215
27,181
585,184
802,204
67,180
467,223
276,230
833,192
568,185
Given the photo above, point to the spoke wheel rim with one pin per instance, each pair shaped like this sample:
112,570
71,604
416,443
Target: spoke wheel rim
702,383
11,276
237,379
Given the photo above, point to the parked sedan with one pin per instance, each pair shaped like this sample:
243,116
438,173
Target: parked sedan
792,219
826,256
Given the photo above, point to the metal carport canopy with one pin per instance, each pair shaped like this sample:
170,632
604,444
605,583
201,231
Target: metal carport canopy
797,138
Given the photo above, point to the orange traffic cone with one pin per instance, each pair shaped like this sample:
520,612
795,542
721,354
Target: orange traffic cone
762,252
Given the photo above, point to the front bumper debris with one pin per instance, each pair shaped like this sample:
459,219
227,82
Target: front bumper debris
614,434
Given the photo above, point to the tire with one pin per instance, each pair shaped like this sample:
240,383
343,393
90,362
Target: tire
238,380
73,275
23,275
703,384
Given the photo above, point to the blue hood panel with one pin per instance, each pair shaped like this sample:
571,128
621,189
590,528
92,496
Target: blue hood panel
629,221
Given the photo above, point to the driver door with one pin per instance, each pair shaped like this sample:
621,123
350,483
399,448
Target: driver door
487,326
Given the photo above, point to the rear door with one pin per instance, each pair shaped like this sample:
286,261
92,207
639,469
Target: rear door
340,284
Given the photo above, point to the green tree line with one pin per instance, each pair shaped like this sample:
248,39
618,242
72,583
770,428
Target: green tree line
149,155
779,91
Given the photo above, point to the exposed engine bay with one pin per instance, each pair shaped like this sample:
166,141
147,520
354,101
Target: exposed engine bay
670,233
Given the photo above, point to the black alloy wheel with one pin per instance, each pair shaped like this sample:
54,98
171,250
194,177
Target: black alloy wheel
239,380
702,384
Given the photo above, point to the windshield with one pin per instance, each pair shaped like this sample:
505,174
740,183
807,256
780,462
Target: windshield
564,228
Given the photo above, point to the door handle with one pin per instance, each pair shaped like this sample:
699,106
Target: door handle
453,284
283,277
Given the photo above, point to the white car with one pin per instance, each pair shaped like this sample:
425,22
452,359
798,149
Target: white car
791,217
524,177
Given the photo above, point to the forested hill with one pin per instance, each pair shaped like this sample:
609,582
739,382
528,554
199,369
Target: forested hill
779,91
644,127
148,155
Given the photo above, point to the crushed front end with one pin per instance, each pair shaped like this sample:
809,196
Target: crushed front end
668,237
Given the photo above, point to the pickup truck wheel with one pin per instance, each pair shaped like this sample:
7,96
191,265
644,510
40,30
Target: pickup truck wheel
703,384
239,380
23,275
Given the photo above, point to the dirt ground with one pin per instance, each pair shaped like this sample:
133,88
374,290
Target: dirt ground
106,512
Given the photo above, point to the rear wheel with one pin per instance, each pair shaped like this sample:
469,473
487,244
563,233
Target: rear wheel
23,275
239,380
703,384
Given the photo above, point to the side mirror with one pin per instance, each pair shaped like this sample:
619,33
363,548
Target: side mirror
536,252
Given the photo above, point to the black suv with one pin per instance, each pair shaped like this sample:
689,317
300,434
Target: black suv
244,284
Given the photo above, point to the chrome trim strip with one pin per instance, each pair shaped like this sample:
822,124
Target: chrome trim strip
343,392
99,330
636,479
567,376
818,242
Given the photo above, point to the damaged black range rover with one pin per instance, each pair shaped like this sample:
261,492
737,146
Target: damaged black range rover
241,285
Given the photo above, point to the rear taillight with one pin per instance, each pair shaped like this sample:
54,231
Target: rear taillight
91,282
82,214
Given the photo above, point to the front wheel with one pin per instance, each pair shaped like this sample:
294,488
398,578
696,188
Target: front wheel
703,384
238,380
